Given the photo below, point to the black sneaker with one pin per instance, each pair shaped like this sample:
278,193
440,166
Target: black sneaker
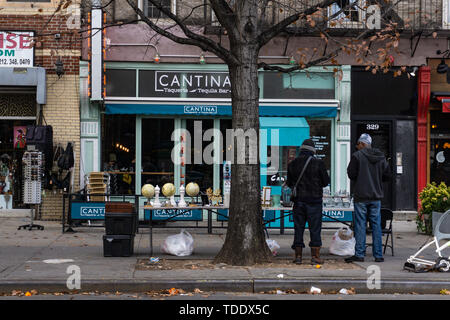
379,259
353,259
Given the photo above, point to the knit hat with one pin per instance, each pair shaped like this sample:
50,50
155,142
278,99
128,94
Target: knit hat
365,138
308,144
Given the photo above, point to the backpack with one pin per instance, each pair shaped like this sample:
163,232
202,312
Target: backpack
42,138
66,161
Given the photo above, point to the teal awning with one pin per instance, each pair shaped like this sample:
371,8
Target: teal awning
288,131
220,110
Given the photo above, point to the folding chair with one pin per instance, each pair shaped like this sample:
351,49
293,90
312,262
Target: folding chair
386,218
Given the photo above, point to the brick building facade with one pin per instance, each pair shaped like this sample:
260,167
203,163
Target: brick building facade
56,39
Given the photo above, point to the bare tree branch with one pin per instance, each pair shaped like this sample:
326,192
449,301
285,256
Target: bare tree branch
273,31
194,39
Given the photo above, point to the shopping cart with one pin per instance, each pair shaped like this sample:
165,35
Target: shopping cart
441,263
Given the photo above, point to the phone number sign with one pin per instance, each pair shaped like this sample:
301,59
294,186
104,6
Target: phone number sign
16,49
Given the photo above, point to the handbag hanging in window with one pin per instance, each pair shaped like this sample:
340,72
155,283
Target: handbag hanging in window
294,190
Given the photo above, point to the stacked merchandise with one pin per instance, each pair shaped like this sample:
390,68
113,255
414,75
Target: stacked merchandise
121,224
33,170
97,186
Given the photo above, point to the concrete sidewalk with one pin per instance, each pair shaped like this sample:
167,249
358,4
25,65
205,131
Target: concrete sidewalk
25,264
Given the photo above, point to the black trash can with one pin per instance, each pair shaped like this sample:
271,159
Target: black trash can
120,223
118,245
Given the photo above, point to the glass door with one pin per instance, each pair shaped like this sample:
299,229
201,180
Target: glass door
157,165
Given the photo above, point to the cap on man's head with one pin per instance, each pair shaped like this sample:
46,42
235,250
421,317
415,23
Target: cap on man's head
365,138
308,144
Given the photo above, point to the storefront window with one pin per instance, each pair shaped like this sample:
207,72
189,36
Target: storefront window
120,83
118,150
201,173
157,145
379,94
12,147
277,176
439,147
298,86
320,133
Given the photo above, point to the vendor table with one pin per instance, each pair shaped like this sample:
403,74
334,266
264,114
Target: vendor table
329,214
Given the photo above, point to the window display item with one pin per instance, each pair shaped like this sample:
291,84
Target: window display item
33,165
214,197
148,191
33,171
156,204
41,137
275,200
266,196
286,193
97,186
182,203
192,190
168,190
20,137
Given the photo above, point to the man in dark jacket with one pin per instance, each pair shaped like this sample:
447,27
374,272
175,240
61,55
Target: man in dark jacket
367,170
308,203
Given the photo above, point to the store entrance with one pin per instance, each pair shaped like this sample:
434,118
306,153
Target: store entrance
439,147
12,147
381,133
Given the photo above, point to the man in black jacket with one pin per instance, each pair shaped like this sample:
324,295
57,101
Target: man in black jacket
308,203
367,170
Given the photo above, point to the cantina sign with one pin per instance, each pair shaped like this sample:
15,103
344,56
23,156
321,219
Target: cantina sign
16,49
204,83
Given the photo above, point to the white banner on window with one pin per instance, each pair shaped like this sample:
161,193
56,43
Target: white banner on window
16,49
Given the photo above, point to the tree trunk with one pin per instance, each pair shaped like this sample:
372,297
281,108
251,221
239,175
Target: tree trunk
245,240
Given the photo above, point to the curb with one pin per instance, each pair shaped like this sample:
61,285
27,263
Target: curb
360,286
128,286
249,286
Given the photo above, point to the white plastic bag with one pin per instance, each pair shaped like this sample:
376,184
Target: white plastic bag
343,242
181,244
273,246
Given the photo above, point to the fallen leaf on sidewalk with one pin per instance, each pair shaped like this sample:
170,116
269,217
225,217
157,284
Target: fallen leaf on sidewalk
16,293
445,292
197,290
173,291
352,291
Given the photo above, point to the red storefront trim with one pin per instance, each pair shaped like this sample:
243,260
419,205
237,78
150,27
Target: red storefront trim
422,115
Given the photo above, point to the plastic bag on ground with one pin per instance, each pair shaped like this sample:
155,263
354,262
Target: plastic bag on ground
343,243
181,244
273,246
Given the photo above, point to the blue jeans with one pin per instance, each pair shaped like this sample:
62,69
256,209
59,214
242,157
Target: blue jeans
370,210
307,212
